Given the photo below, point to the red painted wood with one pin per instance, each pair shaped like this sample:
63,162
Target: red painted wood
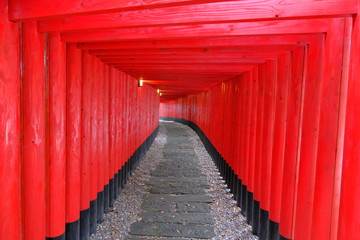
136,53
230,11
33,148
100,125
335,214
73,132
248,112
85,130
328,131
112,122
56,169
236,56
253,128
204,30
25,9
106,137
268,132
199,42
174,61
9,127
94,157
259,131
283,81
265,80
350,191
303,117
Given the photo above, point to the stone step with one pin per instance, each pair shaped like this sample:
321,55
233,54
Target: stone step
172,230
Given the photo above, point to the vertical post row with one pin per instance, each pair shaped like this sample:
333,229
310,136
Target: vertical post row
71,132
291,124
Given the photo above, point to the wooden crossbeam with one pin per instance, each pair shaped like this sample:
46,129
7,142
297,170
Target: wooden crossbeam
41,9
218,12
201,42
206,30
194,51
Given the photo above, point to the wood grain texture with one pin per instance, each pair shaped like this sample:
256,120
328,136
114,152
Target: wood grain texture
219,12
201,42
205,30
10,197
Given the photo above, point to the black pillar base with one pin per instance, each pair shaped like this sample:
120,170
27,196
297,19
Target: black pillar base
93,217
85,224
73,230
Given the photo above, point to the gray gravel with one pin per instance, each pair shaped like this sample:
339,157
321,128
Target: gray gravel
117,222
229,223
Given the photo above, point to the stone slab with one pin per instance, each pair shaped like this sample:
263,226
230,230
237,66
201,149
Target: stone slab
157,206
181,218
172,230
193,207
178,198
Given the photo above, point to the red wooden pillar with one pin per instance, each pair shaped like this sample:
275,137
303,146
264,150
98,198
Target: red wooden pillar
106,134
303,120
120,121
33,152
270,89
283,81
99,84
330,130
85,144
247,117
349,220
112,136
259,141
73,140
254,81
9,127
56,131
94,71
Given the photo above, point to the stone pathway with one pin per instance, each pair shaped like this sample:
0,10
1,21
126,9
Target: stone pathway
177,205
177,190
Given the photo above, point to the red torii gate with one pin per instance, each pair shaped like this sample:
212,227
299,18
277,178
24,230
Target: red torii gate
277,82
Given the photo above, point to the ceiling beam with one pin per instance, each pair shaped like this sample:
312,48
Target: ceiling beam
169,51
182,61
202,42
42,9
205,30
243,55
217,12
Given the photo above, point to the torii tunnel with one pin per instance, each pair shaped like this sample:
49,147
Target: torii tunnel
272,87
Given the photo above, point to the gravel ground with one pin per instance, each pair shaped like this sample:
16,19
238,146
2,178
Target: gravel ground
229,223
117,222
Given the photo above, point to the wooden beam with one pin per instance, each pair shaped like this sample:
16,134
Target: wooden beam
182,61
201,42
41,9
304,26
169,51
181,77
244,55
190,69
219,12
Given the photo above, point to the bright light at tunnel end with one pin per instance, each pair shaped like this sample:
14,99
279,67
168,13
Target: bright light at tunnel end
140,82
